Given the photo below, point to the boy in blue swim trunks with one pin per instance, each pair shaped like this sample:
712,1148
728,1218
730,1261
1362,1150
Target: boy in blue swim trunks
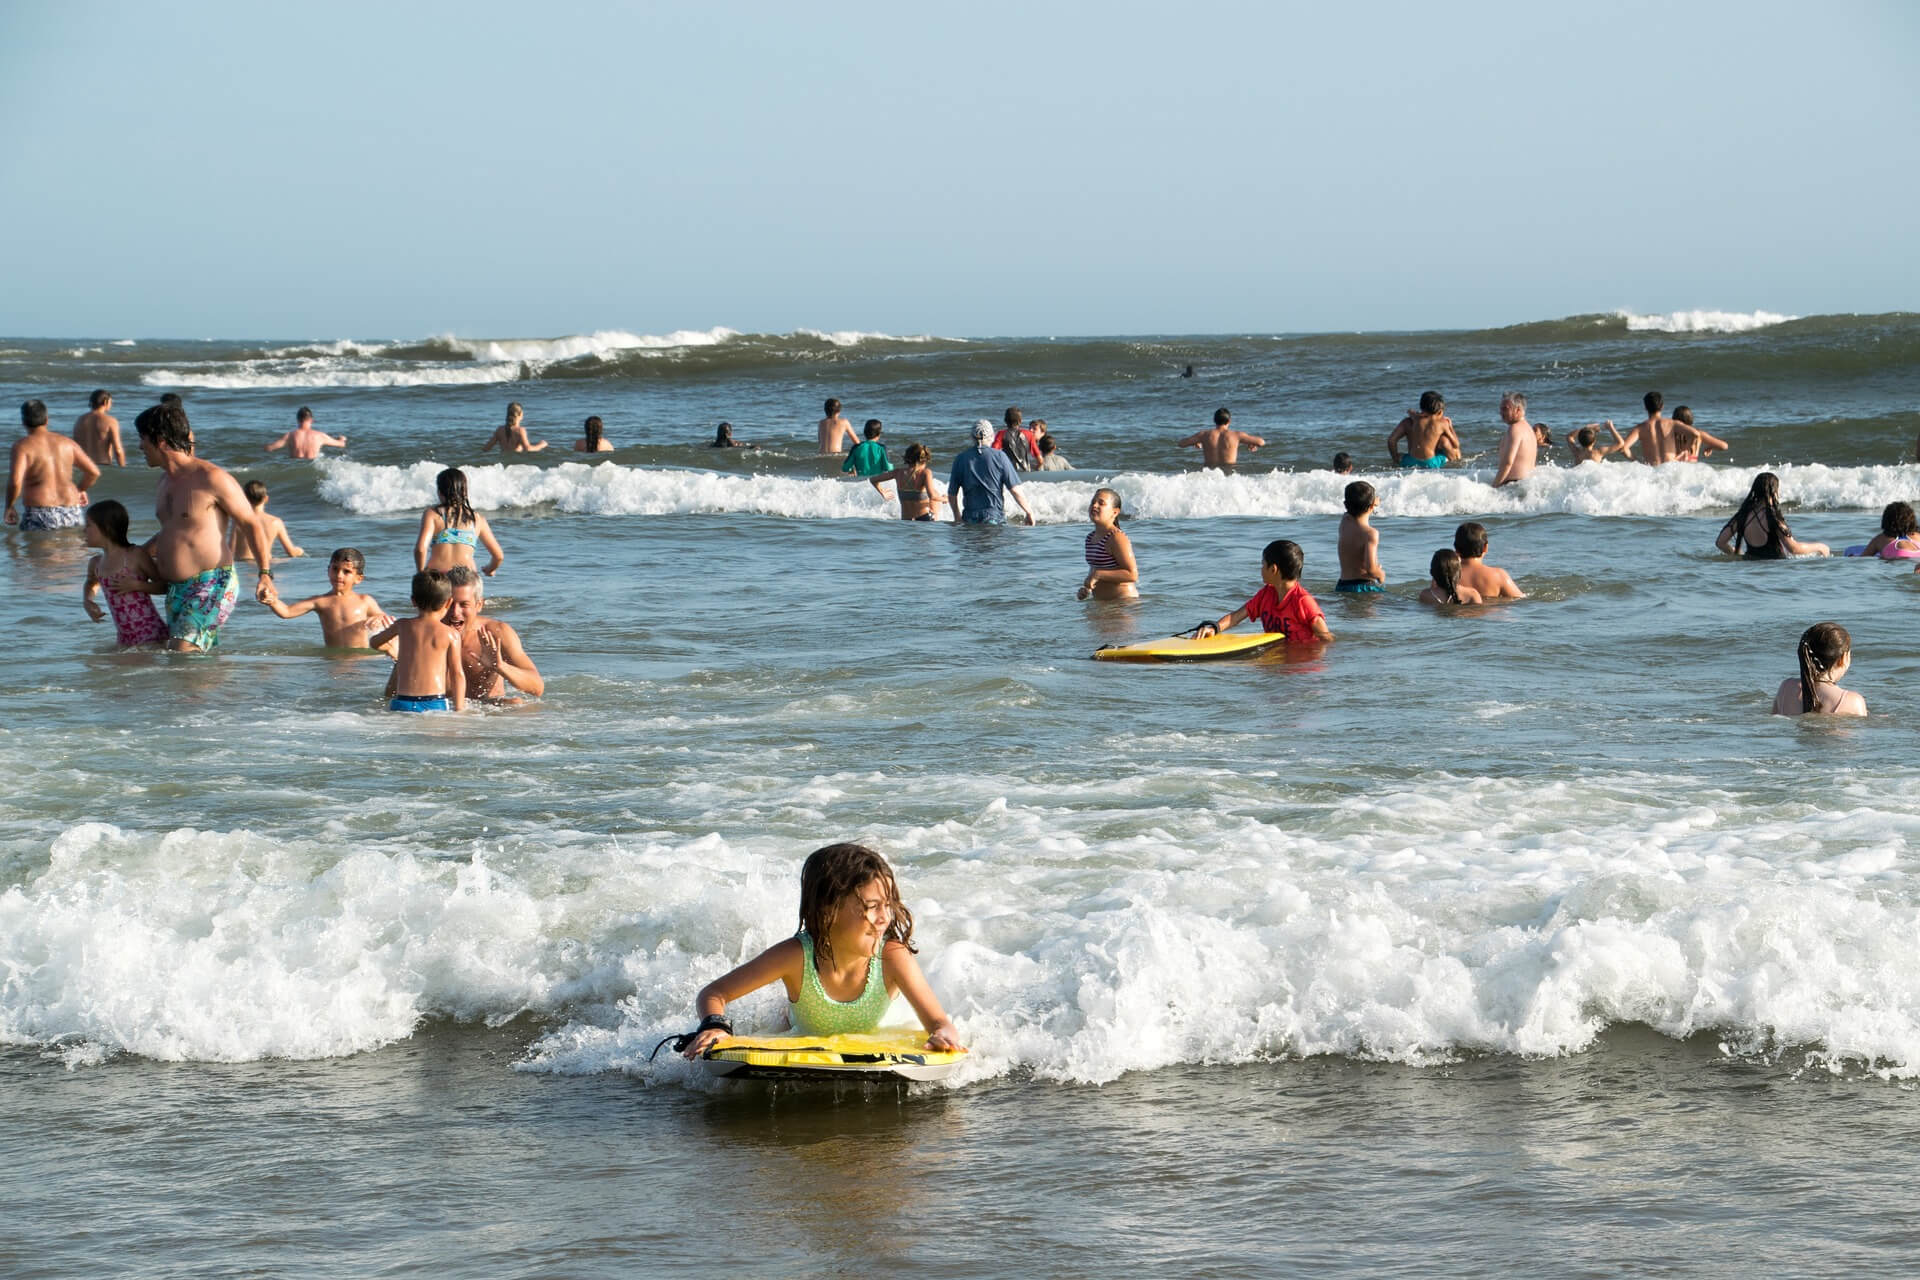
1429,434
1282,605
427,676
1360,569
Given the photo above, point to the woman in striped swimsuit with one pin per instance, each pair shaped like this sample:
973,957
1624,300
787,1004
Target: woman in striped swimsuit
1111,571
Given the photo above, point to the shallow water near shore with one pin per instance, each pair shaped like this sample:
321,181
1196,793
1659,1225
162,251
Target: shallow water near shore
1485,936
1641,1154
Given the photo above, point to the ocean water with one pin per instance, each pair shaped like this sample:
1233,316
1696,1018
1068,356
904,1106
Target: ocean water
1506,938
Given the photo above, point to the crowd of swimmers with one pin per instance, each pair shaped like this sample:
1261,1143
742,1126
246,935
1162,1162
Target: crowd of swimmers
210,524
177,589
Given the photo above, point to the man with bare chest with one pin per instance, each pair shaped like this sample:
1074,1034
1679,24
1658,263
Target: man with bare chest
98,432
1655,434
195,504
1219,445
491,656
40,479
305,440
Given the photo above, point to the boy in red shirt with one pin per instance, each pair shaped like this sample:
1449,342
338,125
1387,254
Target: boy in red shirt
1282,605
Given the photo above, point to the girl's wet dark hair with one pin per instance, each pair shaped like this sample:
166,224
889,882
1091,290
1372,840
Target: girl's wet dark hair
452,484
1897,521
595,429
832,873
110,518
1445,568
1823,646
1764,499
723,435
917,454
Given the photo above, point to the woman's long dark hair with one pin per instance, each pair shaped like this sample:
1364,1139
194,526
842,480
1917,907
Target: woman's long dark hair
1445,569
723,436
595,429
1823,646
452,484
1763,499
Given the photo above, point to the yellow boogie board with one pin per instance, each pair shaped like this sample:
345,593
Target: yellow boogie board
1230,644
879,1055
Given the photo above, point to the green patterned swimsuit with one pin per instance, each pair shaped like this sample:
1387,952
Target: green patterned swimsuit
816,1013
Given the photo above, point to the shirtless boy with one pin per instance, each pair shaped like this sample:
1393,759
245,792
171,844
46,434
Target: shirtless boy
273,528
1520,450
345,615
306,440
833,429
1429,435
1655,433
98,431
195,503
1470,540
1220,444
40,479
1586,446
427,675
1360,569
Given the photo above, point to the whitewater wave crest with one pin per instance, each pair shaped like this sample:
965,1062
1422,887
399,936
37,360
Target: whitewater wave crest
1411,924
1594,489
1702,321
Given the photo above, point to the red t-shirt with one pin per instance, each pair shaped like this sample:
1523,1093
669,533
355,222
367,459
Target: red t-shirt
1291,615
1033,442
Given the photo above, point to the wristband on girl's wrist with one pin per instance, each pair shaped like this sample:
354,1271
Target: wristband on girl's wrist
714,1022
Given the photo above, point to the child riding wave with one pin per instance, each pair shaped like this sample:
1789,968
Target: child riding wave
853,953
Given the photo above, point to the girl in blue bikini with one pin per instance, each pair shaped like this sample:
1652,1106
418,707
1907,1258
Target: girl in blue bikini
450,530
853,954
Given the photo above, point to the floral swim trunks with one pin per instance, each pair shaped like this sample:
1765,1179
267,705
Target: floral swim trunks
43,519
200,606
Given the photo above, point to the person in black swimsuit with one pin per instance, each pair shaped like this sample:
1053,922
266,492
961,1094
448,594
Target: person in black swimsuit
1759,532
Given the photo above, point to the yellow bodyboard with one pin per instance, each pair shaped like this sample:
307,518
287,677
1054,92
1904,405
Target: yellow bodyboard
1229,644
901,1054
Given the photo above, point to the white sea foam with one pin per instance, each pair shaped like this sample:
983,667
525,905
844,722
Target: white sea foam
331,372
1595,489
344,347
540,352
123,342
603,489
1073,934
854,337
1702,321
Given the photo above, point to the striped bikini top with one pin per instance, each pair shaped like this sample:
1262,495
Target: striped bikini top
1100,554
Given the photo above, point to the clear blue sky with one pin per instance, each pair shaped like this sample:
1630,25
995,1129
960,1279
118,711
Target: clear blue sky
375,170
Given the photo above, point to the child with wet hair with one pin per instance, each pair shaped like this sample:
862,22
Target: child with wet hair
854,952
347,617
1826,654
1447,587
271,526
1899,536
128,574
1282,606
1690,443
1359,542
427,672
1586,443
